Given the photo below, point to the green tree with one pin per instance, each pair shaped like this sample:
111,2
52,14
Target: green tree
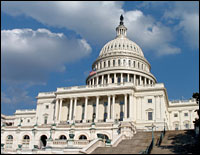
196,96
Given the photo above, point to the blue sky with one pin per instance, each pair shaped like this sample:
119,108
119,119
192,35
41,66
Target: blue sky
46,45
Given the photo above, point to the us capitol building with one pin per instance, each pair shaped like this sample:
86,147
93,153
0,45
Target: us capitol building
120,98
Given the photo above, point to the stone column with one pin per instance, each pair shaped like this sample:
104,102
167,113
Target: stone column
131,106
60,111
190,119
180,119
155,110
97,109
75,103
170,126
93,81
85,112
125,105
128,77
134,108
162,102
140,81
141,100
113,107
145,81
56,115
70,109
115,78
134,79
108,107
121,77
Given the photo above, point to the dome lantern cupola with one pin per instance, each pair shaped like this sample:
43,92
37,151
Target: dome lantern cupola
121,29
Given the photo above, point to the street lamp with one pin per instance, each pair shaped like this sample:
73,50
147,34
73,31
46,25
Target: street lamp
164,124
152,131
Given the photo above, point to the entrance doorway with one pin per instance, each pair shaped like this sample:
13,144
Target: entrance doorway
43,141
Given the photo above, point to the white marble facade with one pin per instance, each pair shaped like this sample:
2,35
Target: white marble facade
120,96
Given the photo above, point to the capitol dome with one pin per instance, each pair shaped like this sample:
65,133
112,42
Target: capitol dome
121,60
121,44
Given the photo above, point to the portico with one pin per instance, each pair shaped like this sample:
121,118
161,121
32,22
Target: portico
106,108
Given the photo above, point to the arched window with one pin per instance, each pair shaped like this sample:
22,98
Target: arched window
118,62
104,64
62,137
109,63
10,137
124,62
9,141
83,137
25,142
26,137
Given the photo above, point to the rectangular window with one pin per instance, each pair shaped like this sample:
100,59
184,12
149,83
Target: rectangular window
176,126
45,120
119,62
150,114
112,79
187,126
175,115
113,62
47,106
118,79
186,114
149,100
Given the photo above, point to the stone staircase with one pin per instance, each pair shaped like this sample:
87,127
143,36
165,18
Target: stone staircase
138,143
177,142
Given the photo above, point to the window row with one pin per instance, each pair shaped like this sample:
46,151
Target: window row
121,62
119,78
185,114
120,46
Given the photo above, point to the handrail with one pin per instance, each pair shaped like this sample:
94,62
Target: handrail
92,146
149,148
161,138
116,141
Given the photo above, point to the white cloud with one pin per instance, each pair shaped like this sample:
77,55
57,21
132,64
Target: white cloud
96,21
16,95
187,14
29,55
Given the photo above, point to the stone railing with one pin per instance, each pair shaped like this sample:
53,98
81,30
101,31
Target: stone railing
94,86
92,146
183,101
81,142
116,141
60,142
46,94
25,111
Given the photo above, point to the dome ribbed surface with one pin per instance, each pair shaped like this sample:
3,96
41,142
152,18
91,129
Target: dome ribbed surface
122,44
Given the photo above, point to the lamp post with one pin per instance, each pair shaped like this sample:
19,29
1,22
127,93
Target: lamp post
152,131
164,124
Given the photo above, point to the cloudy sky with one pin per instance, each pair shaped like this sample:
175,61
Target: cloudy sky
45,45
